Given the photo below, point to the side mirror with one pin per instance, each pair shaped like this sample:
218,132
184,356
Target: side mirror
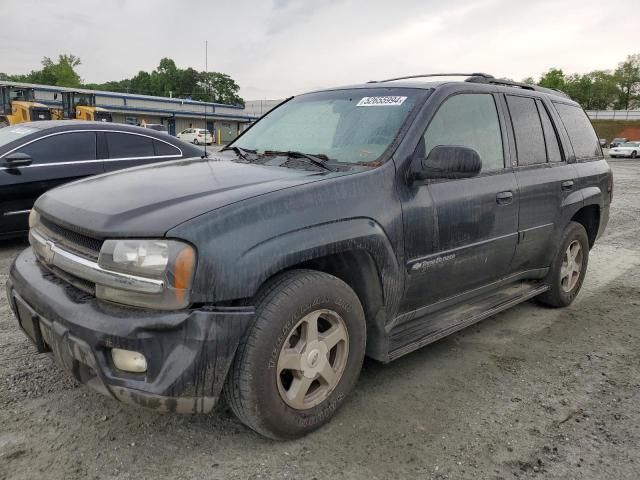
449,161
17,159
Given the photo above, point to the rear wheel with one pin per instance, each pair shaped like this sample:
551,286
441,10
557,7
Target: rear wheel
301,357
568,269
634,154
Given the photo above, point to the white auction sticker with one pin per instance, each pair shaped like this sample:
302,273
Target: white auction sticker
380,101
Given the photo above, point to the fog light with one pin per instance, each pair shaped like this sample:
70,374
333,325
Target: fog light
128,360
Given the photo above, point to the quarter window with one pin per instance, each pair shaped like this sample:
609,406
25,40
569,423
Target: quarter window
583,138
164,149
65,147
528,130
468,120
126,145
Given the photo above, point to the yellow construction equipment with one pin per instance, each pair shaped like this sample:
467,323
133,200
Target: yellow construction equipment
18,105
80,106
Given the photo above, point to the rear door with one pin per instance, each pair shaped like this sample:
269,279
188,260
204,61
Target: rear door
466,234
545,179
130,149
56,159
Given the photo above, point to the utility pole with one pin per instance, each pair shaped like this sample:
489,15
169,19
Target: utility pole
206,76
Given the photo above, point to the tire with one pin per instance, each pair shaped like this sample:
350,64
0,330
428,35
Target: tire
195,141
4,123
259,384
634,154
564,287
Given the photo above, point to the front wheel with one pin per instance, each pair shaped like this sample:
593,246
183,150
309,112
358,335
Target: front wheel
634,154
568,268
196,142
301,357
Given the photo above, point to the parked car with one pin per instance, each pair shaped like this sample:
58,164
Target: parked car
158,127
617,141
37,156
628,149
196,136
603,142
365,220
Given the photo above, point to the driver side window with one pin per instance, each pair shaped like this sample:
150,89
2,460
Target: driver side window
468,120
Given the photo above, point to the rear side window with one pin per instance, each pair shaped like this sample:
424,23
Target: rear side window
66,147
583,138
550,136
126,145
528,130
469,120
164,149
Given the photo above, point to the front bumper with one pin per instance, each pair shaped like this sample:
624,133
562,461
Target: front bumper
188,352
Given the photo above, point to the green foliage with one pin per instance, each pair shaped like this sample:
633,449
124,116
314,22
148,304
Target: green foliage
628,80
166,80
169,80
61,73
600,89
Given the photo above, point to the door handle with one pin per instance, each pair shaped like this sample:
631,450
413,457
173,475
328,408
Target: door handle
504,198
568,185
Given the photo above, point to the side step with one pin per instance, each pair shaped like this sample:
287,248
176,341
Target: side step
421,331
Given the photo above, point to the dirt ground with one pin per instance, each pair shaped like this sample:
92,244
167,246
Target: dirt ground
532,392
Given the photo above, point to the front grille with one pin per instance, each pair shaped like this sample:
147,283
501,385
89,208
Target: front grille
74,242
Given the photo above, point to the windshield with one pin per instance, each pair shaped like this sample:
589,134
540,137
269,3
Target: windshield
9,134
84,100
23,94
351,126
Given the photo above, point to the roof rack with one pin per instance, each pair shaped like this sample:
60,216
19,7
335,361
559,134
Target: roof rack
485,75
481,78
511,83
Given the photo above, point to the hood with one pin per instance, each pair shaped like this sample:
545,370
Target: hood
150,200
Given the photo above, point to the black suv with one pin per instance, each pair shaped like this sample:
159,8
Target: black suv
366,220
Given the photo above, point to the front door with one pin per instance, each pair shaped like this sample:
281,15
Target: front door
461,234
56,159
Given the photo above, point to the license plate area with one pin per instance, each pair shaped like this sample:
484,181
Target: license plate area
30,324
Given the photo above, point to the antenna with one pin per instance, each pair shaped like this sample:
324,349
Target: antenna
206,76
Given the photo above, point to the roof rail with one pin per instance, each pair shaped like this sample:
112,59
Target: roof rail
480,78
483,75
511,83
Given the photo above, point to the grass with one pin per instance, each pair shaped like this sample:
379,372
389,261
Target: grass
611,129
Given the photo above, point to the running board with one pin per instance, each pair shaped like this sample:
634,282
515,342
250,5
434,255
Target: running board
421,331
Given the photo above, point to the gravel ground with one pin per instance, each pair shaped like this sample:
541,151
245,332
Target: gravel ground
531,392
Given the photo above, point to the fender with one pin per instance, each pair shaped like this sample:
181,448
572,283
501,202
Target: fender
278,253
592,196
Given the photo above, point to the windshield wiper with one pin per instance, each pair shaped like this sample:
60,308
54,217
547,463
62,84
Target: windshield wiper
319,160
241,152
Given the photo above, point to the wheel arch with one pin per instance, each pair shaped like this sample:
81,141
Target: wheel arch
589,217
359,253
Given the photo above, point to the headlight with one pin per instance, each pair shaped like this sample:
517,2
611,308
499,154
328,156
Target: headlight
171,261
34,218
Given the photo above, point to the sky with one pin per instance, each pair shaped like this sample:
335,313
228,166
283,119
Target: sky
277,48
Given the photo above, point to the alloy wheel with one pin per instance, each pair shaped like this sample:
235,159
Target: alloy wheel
312,359
571,266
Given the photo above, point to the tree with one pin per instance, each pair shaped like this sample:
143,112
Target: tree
61,73
627,77
221,88
553,78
